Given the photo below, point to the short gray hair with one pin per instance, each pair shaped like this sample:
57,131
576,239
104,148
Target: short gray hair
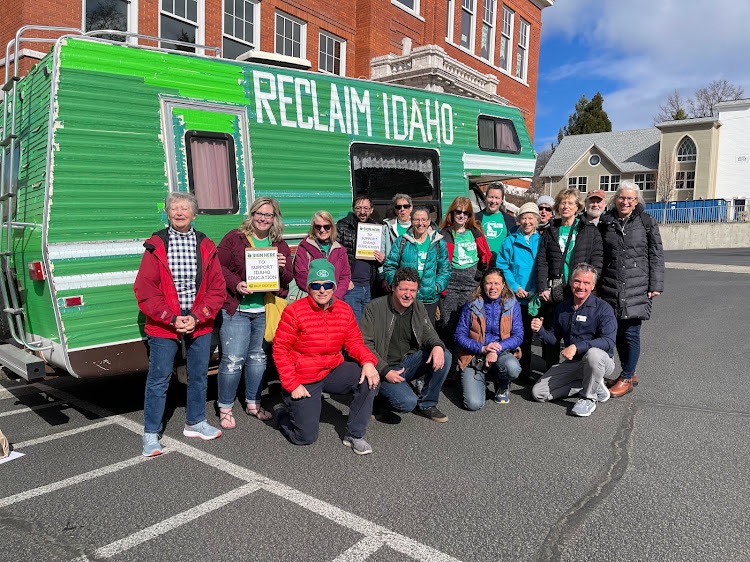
584,268
628,185
401,196
181,196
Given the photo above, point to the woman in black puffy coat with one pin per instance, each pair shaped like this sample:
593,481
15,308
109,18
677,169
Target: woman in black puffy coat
632,274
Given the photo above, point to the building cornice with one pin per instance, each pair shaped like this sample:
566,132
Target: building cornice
541,4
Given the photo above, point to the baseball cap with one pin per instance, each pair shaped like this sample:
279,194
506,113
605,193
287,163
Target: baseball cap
596,193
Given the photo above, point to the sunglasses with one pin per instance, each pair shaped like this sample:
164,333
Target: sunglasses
326,286
399,207
461,212
548,209
322,226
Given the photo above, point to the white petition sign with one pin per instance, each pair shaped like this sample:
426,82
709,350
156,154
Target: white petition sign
262,269
369,239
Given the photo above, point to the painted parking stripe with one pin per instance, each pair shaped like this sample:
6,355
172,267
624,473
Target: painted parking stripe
62,434
183,518
709,267
72,481
360,551
393,540
31,409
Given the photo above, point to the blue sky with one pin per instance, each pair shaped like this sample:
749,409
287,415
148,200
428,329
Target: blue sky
635,53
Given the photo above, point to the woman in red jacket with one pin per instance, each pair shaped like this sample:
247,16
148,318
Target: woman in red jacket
180,289
243,317
307,352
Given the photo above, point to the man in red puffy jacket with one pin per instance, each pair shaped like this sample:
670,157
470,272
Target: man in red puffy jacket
307,351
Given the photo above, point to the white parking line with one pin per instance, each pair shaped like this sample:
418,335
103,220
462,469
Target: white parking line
372,531
709,267
61,434
158,529
360,551
31,409
17,391
72,481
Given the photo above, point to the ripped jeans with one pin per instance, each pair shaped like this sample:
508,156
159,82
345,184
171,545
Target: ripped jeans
241,338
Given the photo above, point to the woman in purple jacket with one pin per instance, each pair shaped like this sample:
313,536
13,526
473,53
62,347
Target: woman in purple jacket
321,243
243,316
488,334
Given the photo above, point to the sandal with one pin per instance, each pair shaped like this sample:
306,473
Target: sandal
258,411
226,418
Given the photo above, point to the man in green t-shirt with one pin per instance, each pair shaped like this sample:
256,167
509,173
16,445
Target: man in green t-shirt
496,222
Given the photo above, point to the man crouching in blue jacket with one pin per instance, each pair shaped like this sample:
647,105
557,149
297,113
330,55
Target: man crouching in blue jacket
588,327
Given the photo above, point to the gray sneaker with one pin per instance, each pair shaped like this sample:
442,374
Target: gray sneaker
584,407
151,445
602,393
202,430
358,445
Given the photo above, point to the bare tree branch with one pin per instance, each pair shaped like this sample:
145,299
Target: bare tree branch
704,101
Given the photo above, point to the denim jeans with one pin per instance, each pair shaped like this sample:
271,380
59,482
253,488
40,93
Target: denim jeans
628,345
474,382
160,363
241,337
301,422
357,298
400,395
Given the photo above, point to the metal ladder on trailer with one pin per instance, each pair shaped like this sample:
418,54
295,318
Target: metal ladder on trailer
18,360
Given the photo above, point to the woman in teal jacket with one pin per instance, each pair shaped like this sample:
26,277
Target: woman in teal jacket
424,249
517,260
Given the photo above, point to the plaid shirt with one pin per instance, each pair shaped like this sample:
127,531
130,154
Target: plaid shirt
182,256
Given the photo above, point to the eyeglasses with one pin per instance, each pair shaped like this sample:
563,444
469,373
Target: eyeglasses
547,209
326,286
322,226
400,207
626,199
363,209
461,212
264,215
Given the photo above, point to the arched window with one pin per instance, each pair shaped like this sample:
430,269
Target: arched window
686,151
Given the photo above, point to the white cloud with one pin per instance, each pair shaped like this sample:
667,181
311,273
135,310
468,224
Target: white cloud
650,47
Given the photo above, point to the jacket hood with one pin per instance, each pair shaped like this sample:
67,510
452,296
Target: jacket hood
432,233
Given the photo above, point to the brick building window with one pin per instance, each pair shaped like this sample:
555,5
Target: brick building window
645,181
109,14
506,38
290,36
179,21
522,55
609,183
241,29
450,20
332,54
467,24
411,5
685,180
488,30
578,182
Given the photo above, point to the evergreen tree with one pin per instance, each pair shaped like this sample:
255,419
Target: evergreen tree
588,117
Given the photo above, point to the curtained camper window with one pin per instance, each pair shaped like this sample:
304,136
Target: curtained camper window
212,172
382,171
498,135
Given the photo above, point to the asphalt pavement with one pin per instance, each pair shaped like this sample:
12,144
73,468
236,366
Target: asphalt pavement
656,475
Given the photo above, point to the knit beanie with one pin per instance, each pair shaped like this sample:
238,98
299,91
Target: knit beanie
321,270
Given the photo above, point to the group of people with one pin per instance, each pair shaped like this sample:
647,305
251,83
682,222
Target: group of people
464,297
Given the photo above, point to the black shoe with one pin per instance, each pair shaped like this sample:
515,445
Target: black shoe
433,414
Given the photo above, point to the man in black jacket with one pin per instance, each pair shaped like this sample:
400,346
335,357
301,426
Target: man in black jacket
364,272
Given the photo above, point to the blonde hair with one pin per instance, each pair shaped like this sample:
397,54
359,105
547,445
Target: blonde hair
565,194
326,216
277,226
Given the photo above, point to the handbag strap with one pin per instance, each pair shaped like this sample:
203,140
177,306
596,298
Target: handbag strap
567,242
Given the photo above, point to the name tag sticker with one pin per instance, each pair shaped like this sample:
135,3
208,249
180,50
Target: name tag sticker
580,318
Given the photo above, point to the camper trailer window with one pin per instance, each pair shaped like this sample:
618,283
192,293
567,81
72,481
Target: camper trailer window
498,135
381,171
212,172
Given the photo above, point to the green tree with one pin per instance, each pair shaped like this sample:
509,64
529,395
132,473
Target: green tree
588,117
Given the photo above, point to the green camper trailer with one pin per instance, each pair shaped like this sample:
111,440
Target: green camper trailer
99,132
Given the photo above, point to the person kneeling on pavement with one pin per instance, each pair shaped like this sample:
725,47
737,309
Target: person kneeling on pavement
588,328
397,329
307,351
489,333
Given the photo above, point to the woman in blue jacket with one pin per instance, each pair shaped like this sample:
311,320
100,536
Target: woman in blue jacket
488,334
424,249
517,260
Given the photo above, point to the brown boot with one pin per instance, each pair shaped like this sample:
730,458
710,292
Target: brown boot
623,386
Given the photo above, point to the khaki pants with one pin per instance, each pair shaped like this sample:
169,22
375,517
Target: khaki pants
580,376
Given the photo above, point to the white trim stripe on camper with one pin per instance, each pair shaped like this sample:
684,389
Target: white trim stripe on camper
89,280
78,250
491,162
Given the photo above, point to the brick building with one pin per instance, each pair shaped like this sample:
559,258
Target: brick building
481,48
